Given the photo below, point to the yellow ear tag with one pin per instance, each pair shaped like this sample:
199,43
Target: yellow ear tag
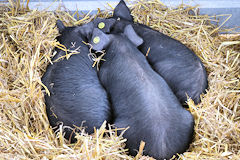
96,39
101,25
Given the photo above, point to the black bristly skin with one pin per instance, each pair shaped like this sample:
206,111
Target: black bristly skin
76,92
177,64
142,99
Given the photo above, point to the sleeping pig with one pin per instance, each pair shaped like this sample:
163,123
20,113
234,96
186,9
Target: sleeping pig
141,98
178,65
76,95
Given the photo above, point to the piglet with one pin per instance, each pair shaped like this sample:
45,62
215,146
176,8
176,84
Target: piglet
77,97
141,99
177,64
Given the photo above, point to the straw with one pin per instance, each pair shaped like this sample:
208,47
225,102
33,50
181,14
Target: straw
27,46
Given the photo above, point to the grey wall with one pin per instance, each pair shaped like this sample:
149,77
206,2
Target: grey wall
210,7
215,7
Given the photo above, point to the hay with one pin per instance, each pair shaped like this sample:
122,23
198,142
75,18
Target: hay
27,42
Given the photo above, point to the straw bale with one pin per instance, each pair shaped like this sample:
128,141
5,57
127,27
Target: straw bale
27,42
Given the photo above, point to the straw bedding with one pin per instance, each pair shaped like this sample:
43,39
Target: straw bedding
27,42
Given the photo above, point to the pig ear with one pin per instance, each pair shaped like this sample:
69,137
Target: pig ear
122,11
99,40
132,35
110,23
86,30
104,25
60,25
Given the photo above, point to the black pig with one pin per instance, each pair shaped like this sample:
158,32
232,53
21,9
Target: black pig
177,64
76,94
141,98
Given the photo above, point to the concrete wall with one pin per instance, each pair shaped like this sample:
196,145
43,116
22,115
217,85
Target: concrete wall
210,7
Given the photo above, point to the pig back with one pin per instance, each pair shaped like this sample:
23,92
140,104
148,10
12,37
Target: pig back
177,64
76,94
142,100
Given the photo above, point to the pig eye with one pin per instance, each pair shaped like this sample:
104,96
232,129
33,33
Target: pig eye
96,39
101,25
